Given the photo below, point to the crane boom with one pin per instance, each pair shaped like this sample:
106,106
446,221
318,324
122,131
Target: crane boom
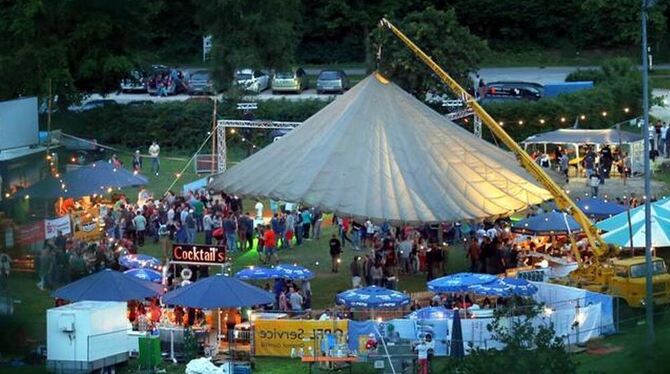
563,201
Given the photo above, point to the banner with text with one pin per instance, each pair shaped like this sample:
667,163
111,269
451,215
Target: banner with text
53,226
30,233
280,337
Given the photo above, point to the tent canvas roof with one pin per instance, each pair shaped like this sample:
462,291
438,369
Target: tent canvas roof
378,152
584,136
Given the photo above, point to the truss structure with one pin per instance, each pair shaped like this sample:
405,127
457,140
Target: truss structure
222,125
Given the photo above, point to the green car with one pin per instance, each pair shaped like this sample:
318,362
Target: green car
289,81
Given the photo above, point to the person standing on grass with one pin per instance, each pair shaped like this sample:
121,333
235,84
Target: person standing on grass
140,227
229,228
298,228
317,218
242,231
335,252
154,151
137,161
270,245
208,225
191,226
290,228
306,222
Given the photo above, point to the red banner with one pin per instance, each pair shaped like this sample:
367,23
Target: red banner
29,233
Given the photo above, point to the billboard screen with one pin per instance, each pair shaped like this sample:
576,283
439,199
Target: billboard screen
18,123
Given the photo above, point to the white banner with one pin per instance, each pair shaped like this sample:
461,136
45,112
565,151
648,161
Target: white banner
52,226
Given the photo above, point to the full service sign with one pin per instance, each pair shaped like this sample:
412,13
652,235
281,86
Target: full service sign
206,254
278,337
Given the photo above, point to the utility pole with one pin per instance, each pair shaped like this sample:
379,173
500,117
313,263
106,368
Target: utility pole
649,299
213,159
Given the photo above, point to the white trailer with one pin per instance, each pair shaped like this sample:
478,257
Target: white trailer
87,336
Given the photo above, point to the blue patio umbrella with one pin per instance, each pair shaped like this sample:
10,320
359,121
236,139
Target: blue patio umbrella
256,273
460,282
139,261
505,287
218,291
547,224
108,285
456,349
431,312
598,208
145,274
372,297
91,179
293,272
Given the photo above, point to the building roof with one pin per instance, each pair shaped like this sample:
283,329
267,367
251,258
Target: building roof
377,152
14,153
584,136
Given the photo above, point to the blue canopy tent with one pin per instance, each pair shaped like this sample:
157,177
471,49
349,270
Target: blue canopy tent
145,274
619,232
505,287
91,179
547,224
108,285
372,297
139,261
431,312
460,282
218,291
256,273
597,208
293,272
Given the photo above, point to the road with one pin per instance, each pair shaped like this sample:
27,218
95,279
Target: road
542,75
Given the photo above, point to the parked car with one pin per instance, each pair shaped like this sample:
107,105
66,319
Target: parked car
200,82
332,81
173,80
136,82
290,81
497,91
250,80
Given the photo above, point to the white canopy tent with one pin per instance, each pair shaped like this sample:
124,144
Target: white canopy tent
575,139
377,152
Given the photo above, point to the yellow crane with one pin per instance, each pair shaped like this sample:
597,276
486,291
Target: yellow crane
598,275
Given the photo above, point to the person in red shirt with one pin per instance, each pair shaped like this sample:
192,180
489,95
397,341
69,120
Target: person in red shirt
270,245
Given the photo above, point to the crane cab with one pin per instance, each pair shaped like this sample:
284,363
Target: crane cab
628,281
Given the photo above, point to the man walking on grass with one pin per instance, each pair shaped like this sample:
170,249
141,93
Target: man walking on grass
154,151
335,251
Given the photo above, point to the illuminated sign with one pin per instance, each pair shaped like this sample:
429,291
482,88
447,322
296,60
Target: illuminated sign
207,254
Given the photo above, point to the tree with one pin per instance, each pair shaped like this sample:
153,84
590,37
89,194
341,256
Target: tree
439,34
616,23
247,33
528,347
82,46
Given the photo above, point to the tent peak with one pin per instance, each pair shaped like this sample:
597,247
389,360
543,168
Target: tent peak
380,78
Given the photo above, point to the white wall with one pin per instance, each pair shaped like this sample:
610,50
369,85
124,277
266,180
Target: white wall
18,123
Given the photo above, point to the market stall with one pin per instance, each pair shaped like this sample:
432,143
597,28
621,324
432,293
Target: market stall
575,142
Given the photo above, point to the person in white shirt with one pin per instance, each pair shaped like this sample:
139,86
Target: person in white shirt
154,151
325,316
208,225
259,210
663,143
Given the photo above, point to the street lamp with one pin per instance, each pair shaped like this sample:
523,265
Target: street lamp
649,301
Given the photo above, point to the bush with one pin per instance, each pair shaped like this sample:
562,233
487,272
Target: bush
176,125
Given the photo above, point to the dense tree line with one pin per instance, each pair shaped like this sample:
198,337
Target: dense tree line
89,45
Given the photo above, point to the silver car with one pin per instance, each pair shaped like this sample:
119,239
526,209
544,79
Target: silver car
252,81
335,81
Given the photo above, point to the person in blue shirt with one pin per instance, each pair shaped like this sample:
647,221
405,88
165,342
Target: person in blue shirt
306,222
